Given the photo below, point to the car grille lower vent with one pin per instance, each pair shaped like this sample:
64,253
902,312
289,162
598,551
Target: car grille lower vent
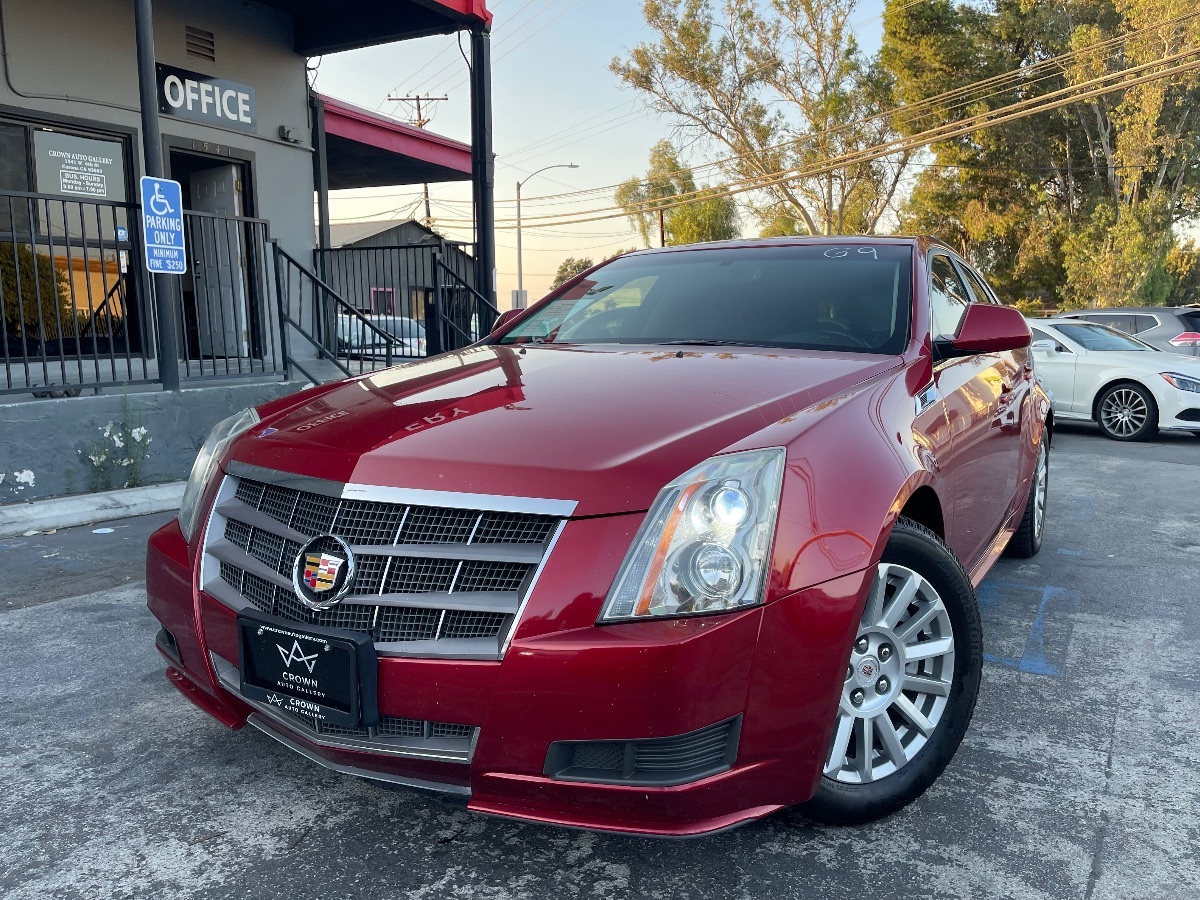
428,581
648,762
388,727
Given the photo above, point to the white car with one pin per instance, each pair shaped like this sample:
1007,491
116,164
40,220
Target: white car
1128,388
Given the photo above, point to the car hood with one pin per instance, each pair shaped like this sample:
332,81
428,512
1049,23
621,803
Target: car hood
605,427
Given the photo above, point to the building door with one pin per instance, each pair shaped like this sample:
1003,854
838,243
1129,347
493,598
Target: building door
219,255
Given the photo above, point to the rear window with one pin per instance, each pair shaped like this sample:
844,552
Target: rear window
1097,337
855,297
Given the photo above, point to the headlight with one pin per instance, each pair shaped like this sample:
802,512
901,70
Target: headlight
703,547
1182,382
211,451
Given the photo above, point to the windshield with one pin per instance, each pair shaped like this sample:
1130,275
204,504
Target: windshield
1097,337
855,297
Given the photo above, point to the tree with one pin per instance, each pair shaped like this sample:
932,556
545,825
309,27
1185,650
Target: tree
708,215
1074,206
569,268
774,85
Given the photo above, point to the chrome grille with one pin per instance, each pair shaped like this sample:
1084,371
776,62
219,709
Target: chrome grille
424,574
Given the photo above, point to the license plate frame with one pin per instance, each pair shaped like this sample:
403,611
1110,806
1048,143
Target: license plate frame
308,670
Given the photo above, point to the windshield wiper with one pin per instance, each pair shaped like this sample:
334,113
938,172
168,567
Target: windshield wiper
697,342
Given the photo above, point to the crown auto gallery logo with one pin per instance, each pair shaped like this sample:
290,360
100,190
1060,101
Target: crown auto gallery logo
296,654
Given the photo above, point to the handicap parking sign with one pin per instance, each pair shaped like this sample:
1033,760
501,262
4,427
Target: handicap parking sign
162,226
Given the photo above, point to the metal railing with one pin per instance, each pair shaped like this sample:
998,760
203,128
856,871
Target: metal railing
460,315
78,309
227,305
396,280
74,310
340,335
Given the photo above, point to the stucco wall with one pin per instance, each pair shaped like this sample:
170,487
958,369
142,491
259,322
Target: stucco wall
52,448
77,58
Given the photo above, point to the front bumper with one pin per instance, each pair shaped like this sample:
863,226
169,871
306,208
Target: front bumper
1178,410
775,670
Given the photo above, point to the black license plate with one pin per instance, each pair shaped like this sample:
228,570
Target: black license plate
321,674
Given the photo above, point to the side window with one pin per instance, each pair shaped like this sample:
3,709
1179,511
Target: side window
1039,335
948,297
1120,322
1144,323
983,293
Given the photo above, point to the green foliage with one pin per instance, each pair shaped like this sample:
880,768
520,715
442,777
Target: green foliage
1075,205
1183,267
706,216
43,289
569,268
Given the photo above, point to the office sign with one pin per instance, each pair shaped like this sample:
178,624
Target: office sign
78,167
203,98
162,226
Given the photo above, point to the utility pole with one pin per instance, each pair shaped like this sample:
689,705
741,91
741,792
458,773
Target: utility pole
420,121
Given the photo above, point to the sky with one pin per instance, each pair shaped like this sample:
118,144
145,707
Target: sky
555,102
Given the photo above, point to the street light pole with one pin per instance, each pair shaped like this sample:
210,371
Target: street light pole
519,300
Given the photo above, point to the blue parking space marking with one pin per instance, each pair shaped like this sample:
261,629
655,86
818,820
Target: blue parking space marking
1049,636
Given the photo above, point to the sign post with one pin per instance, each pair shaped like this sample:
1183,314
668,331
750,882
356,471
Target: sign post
164,289
162,226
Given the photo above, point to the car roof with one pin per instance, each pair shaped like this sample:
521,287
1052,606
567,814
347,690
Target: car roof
1120,310
923,242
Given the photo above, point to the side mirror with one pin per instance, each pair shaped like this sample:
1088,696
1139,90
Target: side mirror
1044,346
986,328
505,317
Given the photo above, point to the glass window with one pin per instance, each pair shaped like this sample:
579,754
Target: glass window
14,176
820,297
1144,323
1096,337
982,293
948,297
1039,335
1120,321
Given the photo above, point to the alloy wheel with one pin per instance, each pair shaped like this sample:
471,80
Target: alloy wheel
898,680
1042,476
1124,412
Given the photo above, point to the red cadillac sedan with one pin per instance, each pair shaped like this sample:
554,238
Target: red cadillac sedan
691,540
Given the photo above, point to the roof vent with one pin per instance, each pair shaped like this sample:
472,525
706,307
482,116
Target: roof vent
200,43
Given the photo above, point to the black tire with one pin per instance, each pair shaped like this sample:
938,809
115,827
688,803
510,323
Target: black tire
1027,540
913,546
1149,427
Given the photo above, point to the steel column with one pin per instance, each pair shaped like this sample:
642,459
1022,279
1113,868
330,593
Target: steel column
483,165
165,286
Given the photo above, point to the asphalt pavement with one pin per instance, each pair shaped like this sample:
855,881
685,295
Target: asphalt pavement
1077,779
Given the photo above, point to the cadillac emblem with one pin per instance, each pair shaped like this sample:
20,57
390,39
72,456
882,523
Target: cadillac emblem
323,572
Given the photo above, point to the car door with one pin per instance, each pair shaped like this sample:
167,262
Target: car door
984,446
1056,369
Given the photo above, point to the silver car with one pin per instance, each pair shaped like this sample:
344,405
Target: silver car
1174,328
371,337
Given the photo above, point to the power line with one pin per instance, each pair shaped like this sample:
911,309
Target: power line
1085,90
1015,111
1025,76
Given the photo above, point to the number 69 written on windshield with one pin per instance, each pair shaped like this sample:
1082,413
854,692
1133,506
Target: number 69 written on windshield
843,252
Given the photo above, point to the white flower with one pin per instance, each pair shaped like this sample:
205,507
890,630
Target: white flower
118,441
138,433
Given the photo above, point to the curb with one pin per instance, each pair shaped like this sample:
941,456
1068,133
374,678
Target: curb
84,509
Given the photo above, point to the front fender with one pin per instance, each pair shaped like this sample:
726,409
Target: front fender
853,461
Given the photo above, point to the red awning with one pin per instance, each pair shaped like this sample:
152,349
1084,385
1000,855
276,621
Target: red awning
366,149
